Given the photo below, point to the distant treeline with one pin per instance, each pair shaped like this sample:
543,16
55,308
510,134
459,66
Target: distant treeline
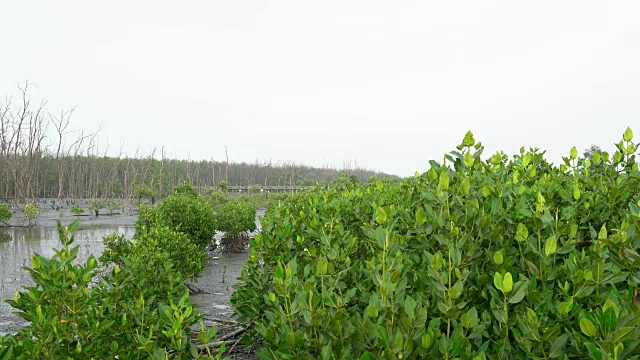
40,157
108,177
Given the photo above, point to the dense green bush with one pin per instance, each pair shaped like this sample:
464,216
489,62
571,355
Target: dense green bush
114,204
236,218
144,191
261,200
186,189
31,211
147,246
140,309
183,213
96,205
500,259
77,210
216,198
5,215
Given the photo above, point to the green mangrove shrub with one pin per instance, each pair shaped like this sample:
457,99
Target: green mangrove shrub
31,211
223,186
137,310
144,191
150,246
5,215
77,210
96,205
216,198
186,189
113,204
184,213
263,200
503,258
236,219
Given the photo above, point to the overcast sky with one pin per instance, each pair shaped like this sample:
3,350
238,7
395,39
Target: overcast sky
389,84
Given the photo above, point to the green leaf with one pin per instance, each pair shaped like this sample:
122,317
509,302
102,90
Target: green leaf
464,187
397,341
498,258
468,139
410,306
519,291
574,153
588,328
372,311
551,245
383,335
73,228
609,321
381,216
507,283
465,319
564,308
602,235
457,345
498,280
379,185
443,181
481,356
321,267
610,304
576,192
628,134
557,348
522,233
325,353
366,356
617,156
621,333
279,273
456,290
421,216
427,340
496,159
468,159
532,317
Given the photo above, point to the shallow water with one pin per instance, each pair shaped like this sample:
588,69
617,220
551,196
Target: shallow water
18,245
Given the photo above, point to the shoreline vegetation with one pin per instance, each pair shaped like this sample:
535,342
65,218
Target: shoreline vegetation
42,155
155,273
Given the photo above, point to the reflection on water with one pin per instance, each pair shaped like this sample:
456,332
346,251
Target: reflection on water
18,245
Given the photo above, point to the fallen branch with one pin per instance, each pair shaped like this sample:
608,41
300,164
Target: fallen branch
194,290
222,340
234,345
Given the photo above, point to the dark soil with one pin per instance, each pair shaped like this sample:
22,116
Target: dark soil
216,281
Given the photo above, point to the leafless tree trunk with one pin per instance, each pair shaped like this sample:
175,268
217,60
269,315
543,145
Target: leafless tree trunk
22,134
226,169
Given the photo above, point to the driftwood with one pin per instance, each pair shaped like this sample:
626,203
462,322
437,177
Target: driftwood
194,290
222,340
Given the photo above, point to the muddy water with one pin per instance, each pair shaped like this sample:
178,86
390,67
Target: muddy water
18,245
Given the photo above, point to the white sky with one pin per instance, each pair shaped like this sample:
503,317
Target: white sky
389,84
